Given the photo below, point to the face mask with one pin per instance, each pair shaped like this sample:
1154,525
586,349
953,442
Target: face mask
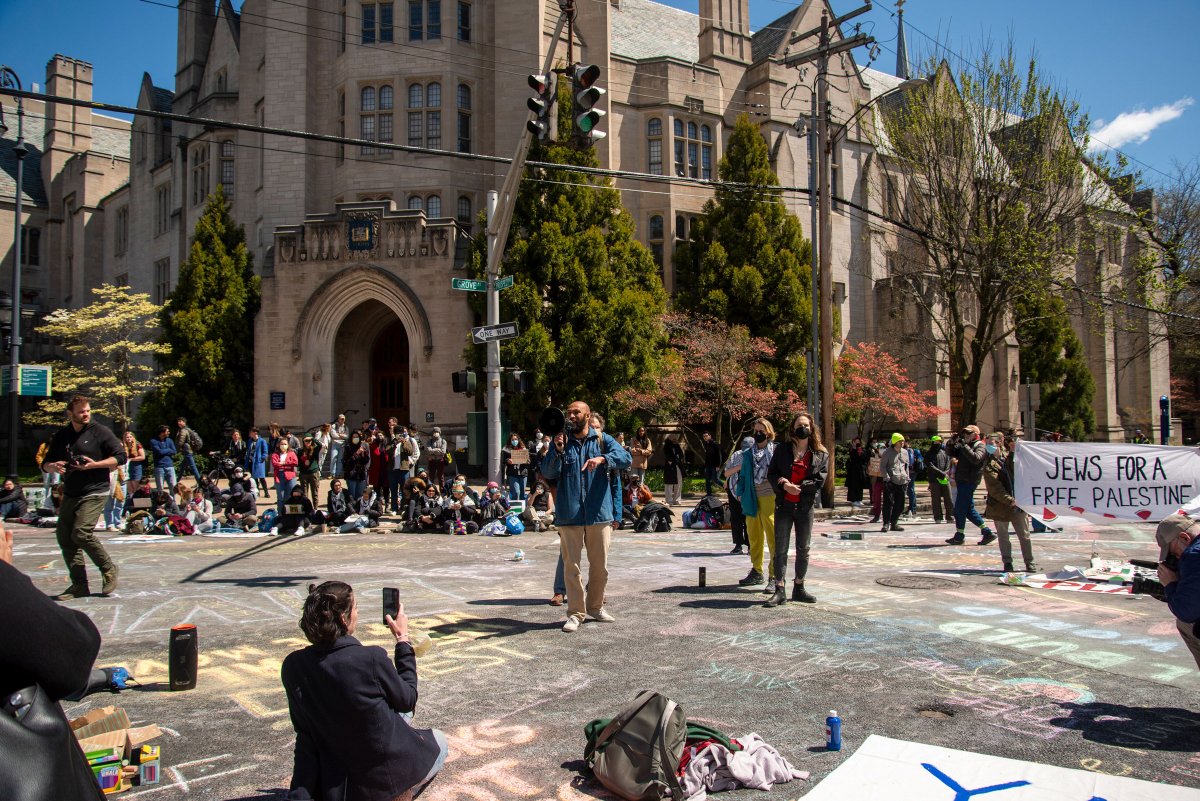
803,432
991,448
760,437
514,442
539,437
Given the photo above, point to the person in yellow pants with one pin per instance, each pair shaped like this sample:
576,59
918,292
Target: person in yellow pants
754,492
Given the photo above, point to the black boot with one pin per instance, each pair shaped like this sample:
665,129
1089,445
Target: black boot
800,595
778,598
752,578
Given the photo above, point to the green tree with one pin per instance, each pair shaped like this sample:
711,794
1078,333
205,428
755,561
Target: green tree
987,169
110,346
208,325
1052,356
747,261
586,295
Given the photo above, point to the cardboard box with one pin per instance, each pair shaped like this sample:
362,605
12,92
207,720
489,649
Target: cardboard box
108,740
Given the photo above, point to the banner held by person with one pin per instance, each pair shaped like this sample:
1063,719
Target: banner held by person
1105,482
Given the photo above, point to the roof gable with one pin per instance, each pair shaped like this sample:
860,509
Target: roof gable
643,29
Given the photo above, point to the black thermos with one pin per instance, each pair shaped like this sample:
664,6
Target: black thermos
184,655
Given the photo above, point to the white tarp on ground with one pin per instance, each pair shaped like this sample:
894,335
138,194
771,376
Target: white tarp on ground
899,770
1105,482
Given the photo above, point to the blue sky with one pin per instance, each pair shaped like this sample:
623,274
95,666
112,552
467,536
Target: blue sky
1128,64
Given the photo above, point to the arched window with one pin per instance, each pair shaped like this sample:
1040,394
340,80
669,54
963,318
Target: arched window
464,118
414,203
424,116
375,121
693,152
680,226
654,164
464,210
433,206
227,151
656,239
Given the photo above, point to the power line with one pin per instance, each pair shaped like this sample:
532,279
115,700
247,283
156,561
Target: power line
757,193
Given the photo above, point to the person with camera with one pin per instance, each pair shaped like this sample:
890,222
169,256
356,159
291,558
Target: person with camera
1179,571
352,707
84,452
971,455
582,460
1002,509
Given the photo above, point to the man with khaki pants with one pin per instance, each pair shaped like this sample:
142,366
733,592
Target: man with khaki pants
583,460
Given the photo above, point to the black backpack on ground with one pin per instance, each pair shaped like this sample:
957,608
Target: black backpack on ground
654,517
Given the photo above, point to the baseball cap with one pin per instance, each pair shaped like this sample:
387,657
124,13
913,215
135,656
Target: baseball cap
897,437
1169,530
971,429
935,438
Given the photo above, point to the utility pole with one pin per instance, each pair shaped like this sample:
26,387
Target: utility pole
500,211
820,54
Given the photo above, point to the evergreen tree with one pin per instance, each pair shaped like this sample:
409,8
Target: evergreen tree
586,296
208,322
747,261
1052,356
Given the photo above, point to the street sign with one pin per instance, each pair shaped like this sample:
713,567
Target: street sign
486,333
468,284
278,401
505,282
35,380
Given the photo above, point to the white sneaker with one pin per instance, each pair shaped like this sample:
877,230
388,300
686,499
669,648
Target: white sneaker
572,624
602,616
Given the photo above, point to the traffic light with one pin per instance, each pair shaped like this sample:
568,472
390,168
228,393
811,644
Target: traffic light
541,104
464,382
586,95
517,382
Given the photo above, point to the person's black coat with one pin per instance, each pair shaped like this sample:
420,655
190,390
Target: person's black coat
856,468
17,496
675,460
781,467
337,506
345,702
42,642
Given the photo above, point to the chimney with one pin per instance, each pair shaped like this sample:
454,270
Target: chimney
68,128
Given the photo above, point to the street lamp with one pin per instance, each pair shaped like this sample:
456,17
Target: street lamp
9,80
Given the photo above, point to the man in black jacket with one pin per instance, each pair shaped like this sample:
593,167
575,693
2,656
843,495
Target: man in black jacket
84,452
971,454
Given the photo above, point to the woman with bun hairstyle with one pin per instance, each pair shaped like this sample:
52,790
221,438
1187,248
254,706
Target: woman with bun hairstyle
797,473
352,708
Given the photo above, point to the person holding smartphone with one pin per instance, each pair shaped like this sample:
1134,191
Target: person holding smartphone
352,708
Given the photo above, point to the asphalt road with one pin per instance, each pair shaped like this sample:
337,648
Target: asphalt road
1072,679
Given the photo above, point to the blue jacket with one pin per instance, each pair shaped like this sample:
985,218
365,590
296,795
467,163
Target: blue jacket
257,456
163,450
1183,596
585,497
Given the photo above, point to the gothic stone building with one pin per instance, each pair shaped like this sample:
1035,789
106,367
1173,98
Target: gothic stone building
372,324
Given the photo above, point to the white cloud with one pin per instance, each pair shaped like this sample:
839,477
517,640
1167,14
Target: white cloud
1135,126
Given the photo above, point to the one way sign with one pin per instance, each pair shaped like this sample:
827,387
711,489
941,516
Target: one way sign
486,333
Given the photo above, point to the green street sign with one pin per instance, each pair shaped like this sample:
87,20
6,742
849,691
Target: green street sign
35,380
505,282
468,284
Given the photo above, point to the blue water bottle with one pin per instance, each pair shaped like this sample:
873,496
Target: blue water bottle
833,731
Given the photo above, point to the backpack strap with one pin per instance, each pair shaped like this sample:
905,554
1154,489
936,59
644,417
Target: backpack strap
622,720
665,758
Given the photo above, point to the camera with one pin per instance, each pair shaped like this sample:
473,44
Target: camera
1147,585
77,461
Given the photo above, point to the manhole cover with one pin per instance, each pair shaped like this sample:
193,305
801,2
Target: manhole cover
936,713
918,582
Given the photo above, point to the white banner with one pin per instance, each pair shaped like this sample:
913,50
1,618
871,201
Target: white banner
1105,482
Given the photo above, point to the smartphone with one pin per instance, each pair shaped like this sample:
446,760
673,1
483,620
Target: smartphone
391,603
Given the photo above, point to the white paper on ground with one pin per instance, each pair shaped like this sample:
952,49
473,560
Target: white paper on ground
899,770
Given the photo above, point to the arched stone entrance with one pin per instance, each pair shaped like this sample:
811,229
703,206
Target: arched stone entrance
371,375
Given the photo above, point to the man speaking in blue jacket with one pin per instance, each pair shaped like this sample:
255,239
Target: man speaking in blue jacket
584,460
